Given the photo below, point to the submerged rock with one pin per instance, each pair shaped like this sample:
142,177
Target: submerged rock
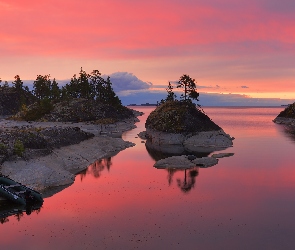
175,162
184,162
222,155
205,162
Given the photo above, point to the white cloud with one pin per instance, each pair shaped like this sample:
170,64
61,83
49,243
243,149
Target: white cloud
122,81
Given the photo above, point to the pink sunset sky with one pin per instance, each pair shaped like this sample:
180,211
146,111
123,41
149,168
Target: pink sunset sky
246,48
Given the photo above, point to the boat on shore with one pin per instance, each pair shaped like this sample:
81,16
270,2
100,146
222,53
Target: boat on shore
18,193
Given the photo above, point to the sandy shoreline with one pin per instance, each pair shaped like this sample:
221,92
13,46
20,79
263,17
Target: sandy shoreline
59,168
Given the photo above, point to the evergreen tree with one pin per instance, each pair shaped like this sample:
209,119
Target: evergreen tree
189,86
42,86
110,96
18,84
55,92
97,85
171,96
83,85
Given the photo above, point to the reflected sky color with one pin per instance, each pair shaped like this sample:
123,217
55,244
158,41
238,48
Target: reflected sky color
244,202
244,47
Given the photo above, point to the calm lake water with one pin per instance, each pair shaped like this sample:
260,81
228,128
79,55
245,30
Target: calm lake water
247,201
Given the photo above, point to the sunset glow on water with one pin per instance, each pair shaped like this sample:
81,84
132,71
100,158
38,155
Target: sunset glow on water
244,202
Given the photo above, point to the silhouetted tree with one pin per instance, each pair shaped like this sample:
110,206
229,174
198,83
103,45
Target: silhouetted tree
42,86
83,85
97,84
189,86
55,91
102,89
18,85
171,96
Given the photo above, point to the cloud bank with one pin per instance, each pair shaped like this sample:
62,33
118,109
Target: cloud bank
123,81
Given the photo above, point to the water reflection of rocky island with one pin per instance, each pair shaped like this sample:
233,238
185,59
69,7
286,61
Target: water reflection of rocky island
190,165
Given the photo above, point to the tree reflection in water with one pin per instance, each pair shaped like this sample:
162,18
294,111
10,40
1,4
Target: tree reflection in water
189,180
96,168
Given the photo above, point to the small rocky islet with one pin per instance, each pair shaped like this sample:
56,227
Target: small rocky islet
179,127
287,116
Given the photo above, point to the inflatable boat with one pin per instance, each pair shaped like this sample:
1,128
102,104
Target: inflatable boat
18,193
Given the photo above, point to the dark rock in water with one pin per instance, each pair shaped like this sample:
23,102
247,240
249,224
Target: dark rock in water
288,112
182,162
287,116
182,123
222,155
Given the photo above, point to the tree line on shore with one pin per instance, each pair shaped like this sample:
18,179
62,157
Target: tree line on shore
47,91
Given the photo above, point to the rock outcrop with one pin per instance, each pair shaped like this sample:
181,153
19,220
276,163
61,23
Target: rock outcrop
28,142
53,152
185,162
182,124
76,110
287,116
59,167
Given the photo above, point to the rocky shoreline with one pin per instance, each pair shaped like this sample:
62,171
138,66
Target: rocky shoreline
285,121
59,166
191,142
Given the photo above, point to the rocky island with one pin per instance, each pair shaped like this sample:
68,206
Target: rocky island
180,127
287,116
